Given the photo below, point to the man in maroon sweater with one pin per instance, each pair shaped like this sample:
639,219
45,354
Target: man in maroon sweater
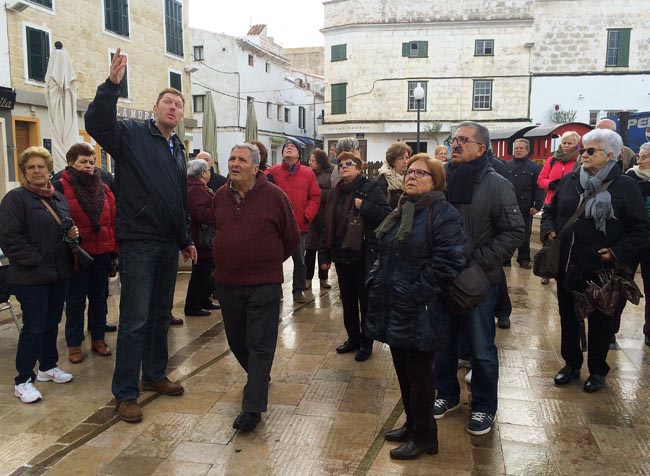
248,276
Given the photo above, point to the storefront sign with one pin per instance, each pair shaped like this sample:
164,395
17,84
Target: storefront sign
135,114
7,98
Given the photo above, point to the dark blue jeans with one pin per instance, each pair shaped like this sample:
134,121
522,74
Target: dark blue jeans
92,284
42,307
478,330
148,274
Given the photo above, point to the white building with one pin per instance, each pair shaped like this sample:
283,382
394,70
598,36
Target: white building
251,68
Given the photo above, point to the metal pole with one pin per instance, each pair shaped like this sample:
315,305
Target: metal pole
417,147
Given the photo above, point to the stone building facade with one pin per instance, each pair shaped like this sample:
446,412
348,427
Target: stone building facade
90,31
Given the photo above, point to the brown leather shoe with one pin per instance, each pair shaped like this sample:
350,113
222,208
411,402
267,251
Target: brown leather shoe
129,411
100,347
175,321
163,386
74,355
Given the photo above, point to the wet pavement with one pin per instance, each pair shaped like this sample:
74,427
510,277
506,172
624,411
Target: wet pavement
327,413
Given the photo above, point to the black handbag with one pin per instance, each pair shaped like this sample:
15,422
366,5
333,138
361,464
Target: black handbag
353,237
206,235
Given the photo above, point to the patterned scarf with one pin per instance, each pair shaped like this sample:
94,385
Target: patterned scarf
45,192
90,192
393,179
598,204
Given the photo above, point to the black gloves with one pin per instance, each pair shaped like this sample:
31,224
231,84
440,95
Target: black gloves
552,185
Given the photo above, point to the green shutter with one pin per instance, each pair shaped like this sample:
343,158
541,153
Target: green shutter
623,57
116,16
423,49
38,53
124,85
175,81
405,49
339,52
338,98
124,17
174,27
45,3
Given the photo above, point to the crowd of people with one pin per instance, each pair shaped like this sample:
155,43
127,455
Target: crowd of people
397,243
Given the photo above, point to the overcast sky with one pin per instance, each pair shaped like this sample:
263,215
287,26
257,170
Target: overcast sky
292,23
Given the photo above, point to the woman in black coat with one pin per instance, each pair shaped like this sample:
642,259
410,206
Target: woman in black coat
354,196
40,266
422,247
641,173
611,230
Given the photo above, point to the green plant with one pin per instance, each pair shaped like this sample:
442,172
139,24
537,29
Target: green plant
562,117
433,129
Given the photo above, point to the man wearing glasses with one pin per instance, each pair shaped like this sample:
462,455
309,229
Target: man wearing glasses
494,227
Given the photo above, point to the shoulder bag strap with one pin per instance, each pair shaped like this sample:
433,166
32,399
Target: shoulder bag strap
51,210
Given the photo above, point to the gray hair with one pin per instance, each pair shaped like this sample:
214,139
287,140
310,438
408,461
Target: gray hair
347,144
481,132
196,167
255,152
609,141
645,146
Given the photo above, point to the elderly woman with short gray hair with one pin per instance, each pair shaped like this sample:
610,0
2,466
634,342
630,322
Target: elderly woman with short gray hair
199,204
610,231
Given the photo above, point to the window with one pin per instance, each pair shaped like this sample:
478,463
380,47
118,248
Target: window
44,3
593,117
251,60
415,49
174,27
412,103
484,48
175,80
339,93
38,53
301,118
618,47
267,67
124,85
198,53
116,16
482,95
339,52
198,101
269,110
287,114
279,114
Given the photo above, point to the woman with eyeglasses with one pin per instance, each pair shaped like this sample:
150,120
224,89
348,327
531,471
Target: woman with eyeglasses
641,173
608,233
391,173
422,246
355,208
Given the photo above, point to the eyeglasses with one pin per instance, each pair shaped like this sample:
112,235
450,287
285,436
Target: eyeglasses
349,163
590,150
462,140
417,173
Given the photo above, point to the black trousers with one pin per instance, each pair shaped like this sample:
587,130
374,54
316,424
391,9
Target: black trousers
310,263
417,383
601,328
503,306
198,289
644,259
355,301
251,315
523,252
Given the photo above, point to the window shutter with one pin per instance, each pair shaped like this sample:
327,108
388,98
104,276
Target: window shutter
339,52
423,49
623,58
338,98
174,27
405,49
124,17
38,53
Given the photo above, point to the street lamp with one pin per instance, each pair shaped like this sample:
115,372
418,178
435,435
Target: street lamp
418,95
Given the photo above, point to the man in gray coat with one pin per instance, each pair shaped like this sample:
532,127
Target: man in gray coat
494,228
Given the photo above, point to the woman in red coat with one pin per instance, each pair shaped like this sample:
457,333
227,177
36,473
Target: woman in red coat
92,207
559,164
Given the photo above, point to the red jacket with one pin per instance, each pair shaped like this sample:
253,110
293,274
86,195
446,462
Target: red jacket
93,243
302,189
199,206
548,174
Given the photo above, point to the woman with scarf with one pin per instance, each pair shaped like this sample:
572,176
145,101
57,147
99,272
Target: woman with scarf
391,173
40,266
608,233
422,247
92,206
641,173
355,208
557,166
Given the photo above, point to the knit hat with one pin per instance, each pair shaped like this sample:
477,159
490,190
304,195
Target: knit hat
295,143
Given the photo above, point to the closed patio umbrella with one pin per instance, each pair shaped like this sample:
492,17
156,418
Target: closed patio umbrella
209,129
251,122
61,100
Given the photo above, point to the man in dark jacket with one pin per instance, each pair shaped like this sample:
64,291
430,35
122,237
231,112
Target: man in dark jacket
151,226
249,277
216,180
523,175
494,227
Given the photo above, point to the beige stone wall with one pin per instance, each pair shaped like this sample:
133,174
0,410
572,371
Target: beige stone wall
308,60
79,25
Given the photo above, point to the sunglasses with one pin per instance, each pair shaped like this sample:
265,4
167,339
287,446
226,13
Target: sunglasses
417,173
590,150
349,163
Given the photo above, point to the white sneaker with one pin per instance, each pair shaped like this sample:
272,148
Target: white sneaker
27,392
468,377
462,363
55,375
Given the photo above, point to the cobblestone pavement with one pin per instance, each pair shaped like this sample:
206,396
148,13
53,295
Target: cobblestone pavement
327,412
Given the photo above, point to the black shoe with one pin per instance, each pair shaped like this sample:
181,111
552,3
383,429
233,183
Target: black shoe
399,434
647,340
211,305
565,375
503,322
412,449
525,264
346,347
594,383
613,343
175,321
197,312
363,354
545,280
247,421
110,327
